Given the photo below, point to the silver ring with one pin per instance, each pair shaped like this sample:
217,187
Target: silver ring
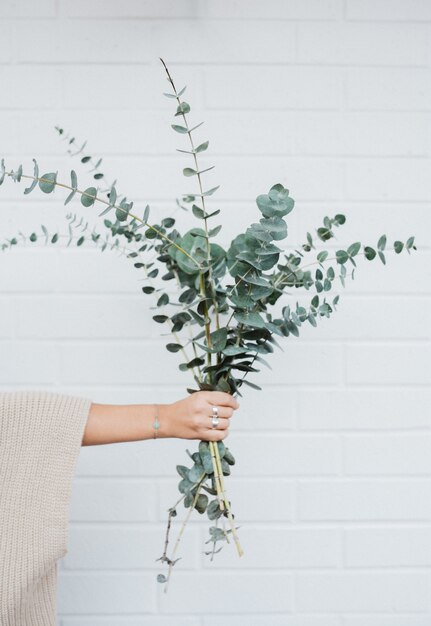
215,418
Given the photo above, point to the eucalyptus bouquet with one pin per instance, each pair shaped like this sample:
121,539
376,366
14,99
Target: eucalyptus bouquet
223,319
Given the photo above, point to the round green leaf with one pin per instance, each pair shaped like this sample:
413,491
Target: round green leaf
276,203
342,256
201,503
89,197
47,182
213,510
369,253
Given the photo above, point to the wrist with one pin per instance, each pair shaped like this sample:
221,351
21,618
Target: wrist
164,415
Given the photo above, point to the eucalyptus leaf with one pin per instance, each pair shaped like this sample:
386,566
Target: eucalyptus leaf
201,503
213,510
90,196
33,184
202,147
195,473
47,182
179,129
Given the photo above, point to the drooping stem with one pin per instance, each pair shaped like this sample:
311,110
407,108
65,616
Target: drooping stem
184,524
172,512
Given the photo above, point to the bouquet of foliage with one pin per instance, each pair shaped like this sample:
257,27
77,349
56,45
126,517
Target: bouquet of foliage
224,312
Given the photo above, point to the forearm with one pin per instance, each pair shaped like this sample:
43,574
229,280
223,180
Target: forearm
188,418
112,423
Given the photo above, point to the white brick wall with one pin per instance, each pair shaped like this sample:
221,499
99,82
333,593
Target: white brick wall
332,98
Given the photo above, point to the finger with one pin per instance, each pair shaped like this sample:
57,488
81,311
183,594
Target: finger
222,398
223,411
217,435
223,423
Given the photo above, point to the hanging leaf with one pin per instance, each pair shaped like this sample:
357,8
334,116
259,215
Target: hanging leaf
2,171
34,181
198,212
74,185
201,503
179,129
188,171
183,108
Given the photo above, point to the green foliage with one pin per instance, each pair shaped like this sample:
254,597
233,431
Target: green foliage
222,315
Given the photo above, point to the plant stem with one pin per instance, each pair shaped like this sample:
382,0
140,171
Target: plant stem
164,556
227,503
282,277
213,447
180,534
182,348
211,281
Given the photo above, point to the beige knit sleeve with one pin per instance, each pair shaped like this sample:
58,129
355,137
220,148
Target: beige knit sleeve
40,438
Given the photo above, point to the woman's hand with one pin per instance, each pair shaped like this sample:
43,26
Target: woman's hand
190,418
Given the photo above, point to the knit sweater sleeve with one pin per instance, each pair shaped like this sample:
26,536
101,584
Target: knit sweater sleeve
40,437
